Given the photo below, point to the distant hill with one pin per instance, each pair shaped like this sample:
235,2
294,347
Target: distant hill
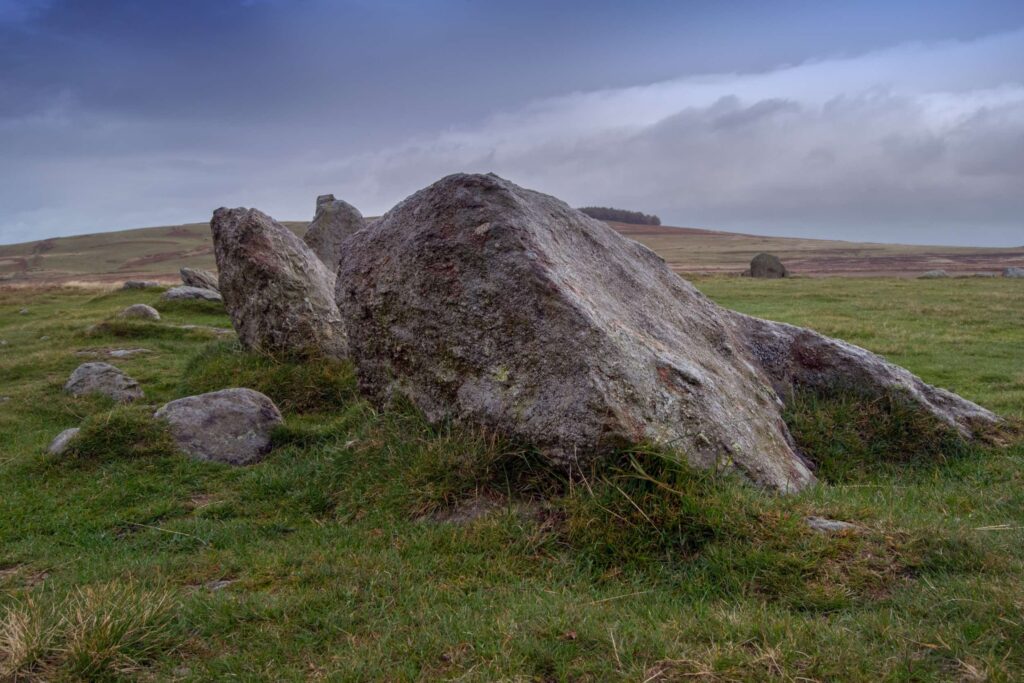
157,253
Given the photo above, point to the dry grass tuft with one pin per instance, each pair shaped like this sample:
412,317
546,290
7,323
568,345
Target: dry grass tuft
95,633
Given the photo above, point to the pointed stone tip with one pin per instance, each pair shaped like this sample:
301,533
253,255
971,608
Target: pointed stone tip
324,199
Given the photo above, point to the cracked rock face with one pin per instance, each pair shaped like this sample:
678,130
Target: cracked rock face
497,306
232,425
105,379
334,222
279,295
197,277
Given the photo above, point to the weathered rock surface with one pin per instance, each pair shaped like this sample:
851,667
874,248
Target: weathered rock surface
795,357
232,426
197,277
185,293
141,311
490,304
766,266
140,284
278,293
933,275
61,441
105,379
334,222
1013,272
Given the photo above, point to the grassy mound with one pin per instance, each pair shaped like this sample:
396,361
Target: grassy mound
123,433
854,438
295,386
189,307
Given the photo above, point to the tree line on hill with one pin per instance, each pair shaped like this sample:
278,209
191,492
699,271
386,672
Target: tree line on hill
607,213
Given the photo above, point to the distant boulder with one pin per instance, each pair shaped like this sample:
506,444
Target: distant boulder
334,222
186,293
767,266
933,275
1013,272
482,302
197,277
140,311
140,284
233,426
279,295
105,379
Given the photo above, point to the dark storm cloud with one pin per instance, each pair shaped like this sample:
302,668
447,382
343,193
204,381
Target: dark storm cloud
118,114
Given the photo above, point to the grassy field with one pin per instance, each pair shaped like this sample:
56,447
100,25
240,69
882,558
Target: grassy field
158,253
370,546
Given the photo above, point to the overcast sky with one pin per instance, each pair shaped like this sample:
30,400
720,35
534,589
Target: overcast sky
870,120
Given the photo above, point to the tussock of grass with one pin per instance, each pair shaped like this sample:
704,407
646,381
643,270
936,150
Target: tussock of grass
652,507
309,386
652,511
123,433
189,307
130,328
853,438
107,632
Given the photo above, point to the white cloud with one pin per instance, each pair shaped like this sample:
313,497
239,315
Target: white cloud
918,143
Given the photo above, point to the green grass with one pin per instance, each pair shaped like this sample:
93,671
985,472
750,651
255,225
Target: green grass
372,546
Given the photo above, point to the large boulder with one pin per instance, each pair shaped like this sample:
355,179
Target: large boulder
767,266
334,222
232,425
105,379
186,293
141,312
489,304
197,277
1013,271
279,295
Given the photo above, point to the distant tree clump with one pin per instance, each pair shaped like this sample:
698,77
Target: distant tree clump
606,213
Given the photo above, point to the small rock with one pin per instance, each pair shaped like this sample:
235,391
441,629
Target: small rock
933,275
140,284
141,311
126,353
231,425
23,311
197,277
184,293
1013,271
825,525
45,337
60,443
4,399
218,585
103,378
